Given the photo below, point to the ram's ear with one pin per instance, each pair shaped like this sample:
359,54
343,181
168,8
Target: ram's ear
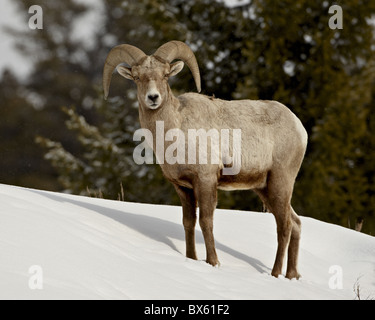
125,72
176,68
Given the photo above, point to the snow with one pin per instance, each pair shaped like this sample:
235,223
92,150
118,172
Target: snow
86,248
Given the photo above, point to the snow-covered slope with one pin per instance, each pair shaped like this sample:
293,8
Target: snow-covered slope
74,247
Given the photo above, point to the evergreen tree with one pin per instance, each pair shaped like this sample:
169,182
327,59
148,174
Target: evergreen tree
263,49
20,161
344,188
106,168
58,77
325,77
149,17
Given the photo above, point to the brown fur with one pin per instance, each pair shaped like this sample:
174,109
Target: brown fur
273,143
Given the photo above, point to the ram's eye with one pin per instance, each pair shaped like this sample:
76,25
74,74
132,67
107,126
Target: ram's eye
166,76
136,78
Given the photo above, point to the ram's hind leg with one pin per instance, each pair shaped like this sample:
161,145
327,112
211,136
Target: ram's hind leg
276,196
284,230
189,218
293,248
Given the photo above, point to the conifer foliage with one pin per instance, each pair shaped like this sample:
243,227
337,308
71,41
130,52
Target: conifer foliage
259,49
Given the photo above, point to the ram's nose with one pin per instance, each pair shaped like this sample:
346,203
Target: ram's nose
153,97
153,100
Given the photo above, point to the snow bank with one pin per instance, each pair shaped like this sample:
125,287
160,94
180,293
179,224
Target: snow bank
58,246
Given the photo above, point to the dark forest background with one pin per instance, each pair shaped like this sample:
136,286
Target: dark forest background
57,133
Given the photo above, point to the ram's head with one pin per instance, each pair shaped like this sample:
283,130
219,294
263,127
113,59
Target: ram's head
150,73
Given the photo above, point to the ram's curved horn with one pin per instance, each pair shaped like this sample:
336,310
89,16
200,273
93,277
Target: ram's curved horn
124,53
178,50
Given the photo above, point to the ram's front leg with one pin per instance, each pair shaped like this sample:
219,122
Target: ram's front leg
207,199
189,218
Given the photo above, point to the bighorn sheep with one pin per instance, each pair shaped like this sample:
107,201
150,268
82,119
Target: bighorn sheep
273,144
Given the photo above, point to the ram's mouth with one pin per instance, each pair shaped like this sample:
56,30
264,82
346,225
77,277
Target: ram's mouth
154,106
